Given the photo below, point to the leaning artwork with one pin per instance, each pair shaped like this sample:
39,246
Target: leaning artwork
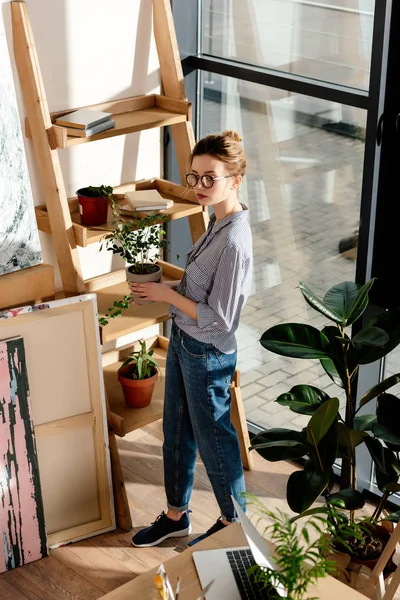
22,525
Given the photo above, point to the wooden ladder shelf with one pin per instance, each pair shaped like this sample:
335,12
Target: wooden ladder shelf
59,215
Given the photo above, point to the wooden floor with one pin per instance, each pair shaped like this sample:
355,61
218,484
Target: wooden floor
87,570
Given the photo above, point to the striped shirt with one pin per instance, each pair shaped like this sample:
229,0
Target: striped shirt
218,278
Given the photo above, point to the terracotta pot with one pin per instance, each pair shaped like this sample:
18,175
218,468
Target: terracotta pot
93,210
383,534
143,278
137,392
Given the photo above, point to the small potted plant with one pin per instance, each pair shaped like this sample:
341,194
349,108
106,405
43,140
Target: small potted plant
93,204
138,375
301,554
138,240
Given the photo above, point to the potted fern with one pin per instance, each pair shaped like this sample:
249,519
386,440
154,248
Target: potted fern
138,375
139,241
331,433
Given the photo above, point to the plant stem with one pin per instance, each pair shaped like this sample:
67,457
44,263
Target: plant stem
380,506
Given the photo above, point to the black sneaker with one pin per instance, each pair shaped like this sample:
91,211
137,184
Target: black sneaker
161,529
218,525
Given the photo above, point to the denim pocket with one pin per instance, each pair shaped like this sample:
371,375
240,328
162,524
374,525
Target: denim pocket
194,347
227,363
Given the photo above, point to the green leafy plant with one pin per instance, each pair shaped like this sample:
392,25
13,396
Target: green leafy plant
142,363
139,241
333,434
103,191
300,553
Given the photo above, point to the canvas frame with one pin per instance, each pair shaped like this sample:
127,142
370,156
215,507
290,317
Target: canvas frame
80,417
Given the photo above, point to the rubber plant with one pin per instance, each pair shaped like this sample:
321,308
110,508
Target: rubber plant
139,241
331,433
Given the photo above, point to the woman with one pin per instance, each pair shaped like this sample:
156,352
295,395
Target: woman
205,308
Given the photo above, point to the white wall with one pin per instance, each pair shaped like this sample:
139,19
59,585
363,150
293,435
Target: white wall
91,51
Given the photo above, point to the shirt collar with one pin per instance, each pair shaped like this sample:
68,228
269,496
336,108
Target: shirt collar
236,216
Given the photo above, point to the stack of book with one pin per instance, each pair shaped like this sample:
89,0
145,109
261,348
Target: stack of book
145,201
85,122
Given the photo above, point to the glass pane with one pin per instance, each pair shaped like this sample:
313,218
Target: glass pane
303,192
327,41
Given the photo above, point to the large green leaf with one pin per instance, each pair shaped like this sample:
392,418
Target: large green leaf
364,422
318,304
350,438
339,346
387,427
304,487
348,499
321,420
371,336
327,449
303,399
342,297
296,340
389,321
384,460
379,388
330,369
280,444
360,303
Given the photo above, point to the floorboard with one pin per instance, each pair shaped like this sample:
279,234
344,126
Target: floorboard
89,569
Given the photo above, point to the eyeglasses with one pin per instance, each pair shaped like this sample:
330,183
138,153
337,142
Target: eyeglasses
207,181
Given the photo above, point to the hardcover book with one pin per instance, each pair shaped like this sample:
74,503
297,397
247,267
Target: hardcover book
90,130
145,200
83,118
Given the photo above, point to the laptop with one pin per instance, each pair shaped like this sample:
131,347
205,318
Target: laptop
228,566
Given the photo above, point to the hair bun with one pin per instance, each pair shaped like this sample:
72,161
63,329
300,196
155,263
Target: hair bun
233,135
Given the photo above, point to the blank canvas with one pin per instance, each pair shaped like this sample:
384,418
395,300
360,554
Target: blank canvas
62,347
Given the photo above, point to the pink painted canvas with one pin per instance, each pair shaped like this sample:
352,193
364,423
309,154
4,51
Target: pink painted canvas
22,526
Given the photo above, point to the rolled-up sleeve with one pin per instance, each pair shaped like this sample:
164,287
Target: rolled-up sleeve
226,296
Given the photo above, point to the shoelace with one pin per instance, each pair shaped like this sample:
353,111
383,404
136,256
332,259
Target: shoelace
162,515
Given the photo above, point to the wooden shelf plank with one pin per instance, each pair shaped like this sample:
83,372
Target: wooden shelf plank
28,286
130,115
135,317
133,418
185,205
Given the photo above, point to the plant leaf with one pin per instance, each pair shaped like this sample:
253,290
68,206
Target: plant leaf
371,336
394,517
304,487
330,369
303,399
379,388
318,304
389,321
364,422
383,459
280,444
348,499
296,340
321,420
387,427
342,297
350,438
360,302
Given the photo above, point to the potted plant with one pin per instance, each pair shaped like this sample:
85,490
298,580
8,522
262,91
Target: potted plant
301,554
332,434
138,240
138,375
93,204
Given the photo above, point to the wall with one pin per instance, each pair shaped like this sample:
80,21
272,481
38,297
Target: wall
92,51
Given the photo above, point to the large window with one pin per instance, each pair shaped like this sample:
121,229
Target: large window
328,41
312,87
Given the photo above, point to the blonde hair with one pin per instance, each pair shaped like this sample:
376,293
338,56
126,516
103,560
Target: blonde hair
225,147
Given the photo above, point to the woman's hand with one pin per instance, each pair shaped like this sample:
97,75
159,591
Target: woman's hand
157,292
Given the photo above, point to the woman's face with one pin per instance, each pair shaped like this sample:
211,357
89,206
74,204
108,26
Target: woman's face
210,166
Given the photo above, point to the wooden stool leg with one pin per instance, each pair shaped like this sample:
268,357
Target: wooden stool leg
122,512
238,418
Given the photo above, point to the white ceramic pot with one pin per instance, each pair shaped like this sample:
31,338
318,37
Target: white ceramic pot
143,278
